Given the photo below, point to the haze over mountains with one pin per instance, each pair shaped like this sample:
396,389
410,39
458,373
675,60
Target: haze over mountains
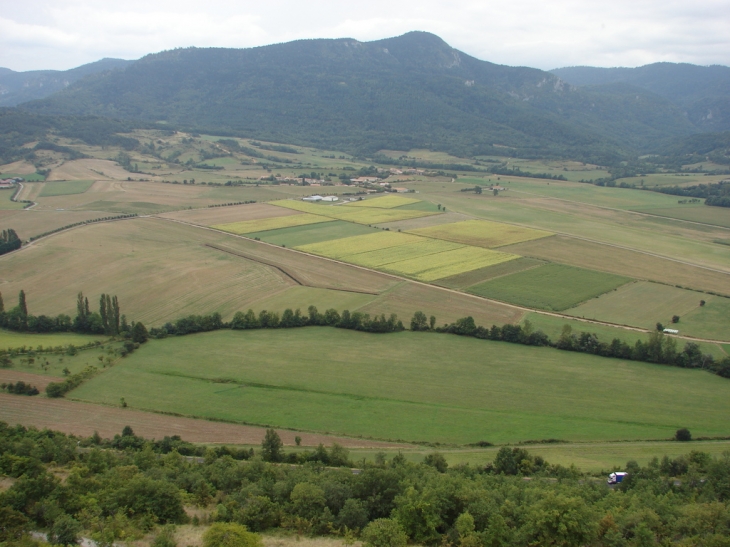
399,93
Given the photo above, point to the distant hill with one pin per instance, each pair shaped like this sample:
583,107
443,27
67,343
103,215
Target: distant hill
20,87
399,93
703,92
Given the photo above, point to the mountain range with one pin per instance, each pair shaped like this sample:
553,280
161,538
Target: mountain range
400,93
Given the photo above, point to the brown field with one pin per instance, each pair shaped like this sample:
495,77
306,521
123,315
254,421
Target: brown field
424,222
90,169
37,221
18,168
586,254
83,419
37,380
234,213
468,279
162,270
30,190
408,298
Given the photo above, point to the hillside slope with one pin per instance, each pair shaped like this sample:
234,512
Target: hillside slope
399,93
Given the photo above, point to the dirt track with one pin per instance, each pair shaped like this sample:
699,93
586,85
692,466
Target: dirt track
83,419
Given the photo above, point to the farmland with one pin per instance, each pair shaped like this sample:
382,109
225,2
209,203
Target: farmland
424,387
551,287
9,339
65,188
312,233
481,233
264,224
361,215
387,202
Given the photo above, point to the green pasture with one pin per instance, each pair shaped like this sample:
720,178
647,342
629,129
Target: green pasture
412,386
421,206
672,179
553,326
554,287
6,204
467,279
65,188
312,233
643,304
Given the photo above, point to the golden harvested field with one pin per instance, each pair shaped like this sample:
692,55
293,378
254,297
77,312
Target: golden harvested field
448,263
342,248
587,254
90,169
418,249
386,202
83,419
482,233
35,221
408,298
18,168
208,216
263,224
367,215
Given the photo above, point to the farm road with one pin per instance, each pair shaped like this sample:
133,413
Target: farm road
436,287
83,419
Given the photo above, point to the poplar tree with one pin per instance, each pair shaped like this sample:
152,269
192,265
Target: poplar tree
103,313
80,309
115,315
2,304
22,306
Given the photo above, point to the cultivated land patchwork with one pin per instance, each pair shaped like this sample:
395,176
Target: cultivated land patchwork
362,215
387,202
262,224
481,233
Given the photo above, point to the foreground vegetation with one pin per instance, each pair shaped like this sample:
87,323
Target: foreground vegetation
121,489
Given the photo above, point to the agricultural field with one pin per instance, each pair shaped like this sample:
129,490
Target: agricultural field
386,202
553,287
234,213
312,233
718,216
481,233
35,221
462,281
5,202
65,188
360,244
362,215
425,387
264,224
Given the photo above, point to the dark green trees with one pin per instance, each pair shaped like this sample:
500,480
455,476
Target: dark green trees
271,447
9,241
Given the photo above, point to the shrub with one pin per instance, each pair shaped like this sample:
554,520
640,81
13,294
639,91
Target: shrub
225,534
383,533
683,435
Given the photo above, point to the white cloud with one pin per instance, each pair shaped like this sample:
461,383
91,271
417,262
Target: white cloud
66,33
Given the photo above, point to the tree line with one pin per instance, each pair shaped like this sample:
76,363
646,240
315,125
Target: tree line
62,228
124,488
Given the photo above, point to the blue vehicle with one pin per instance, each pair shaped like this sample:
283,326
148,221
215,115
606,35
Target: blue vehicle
615,478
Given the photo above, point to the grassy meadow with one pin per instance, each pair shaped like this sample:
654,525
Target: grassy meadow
65,188
413,387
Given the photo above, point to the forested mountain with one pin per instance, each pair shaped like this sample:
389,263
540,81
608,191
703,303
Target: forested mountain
19,87
703,92
399,93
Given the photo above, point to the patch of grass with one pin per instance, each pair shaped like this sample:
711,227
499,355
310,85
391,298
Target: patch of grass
313,233
65,188
553,287
342,248
708,321
418,249
481,233
413,386
29,177
385,202
265,224
718,216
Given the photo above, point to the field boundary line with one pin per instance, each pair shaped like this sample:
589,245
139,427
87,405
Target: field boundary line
446,289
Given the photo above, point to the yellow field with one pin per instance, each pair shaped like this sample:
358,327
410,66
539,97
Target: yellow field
418,249
448,263
481,233
408,254
362,215
263,224
386,202
341,248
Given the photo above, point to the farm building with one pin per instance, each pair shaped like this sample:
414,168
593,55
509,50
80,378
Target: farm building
330,198
312,198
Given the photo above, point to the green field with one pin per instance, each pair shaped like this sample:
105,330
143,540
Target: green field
361,215
65,188
313,233
717,216
385,202
554,287
645,304
412,386
461,281
10,339
274,223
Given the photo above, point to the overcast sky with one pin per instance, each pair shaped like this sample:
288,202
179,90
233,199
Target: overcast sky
61,34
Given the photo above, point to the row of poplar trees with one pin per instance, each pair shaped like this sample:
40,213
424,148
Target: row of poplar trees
108,319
